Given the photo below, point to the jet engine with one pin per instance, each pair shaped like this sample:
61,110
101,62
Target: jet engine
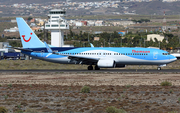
106,63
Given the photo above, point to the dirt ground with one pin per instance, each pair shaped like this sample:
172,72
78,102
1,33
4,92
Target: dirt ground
60,92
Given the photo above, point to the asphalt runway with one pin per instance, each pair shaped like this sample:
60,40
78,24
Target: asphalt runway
96,71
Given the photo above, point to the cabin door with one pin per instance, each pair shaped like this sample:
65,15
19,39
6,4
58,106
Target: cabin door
155,55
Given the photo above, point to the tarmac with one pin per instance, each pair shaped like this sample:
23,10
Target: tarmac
96,71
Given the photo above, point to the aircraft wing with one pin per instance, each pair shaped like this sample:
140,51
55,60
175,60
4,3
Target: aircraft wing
80,59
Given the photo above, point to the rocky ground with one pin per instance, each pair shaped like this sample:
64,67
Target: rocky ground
60,92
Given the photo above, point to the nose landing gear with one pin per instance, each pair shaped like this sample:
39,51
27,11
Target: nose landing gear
159,68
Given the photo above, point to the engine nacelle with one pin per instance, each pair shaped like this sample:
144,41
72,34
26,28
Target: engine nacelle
105,63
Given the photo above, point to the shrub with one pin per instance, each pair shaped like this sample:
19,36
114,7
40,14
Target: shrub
166,83
171,91
28,110
173,112
19,111
179,99
3,110
9,85
85,89
112,109
5,97
128,86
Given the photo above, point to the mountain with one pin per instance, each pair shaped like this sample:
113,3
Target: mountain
155,7
27,1
41,1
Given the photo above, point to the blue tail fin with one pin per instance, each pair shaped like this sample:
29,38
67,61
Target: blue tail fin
28,37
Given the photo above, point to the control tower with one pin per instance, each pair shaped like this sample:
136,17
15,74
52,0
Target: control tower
56,24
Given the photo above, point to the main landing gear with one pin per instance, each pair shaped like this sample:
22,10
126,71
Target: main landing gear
158,68
91,67
96,67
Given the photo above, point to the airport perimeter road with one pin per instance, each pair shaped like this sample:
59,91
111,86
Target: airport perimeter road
97,71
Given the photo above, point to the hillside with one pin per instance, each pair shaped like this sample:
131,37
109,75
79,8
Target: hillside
155,8
40,1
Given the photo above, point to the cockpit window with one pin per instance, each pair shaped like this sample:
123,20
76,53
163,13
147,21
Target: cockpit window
165,53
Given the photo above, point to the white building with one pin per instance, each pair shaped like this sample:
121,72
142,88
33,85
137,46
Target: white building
99,23
153,36
90,23
56,24
123,23
79,24
15,29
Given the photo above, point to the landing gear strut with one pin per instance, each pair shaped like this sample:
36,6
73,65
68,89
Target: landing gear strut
159,68
90,67
96,67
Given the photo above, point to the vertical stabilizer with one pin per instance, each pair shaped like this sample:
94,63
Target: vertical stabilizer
28,37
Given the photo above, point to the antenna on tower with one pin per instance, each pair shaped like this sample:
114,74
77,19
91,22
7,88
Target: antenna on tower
164,22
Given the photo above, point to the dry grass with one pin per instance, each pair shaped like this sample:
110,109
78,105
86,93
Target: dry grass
36,64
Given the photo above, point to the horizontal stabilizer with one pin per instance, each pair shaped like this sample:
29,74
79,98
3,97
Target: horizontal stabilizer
29,50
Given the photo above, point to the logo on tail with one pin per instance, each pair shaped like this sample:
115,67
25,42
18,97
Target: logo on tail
25,39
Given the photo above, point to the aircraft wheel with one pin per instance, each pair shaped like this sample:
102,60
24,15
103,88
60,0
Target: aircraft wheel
159,68
90,67
97,68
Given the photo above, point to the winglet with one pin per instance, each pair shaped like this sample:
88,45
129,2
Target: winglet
91,45
48,48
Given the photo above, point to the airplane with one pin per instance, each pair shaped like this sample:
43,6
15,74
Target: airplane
95,57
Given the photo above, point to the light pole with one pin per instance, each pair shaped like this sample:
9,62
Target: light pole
144,42
88,36
61,43
121,41
104,42
110,41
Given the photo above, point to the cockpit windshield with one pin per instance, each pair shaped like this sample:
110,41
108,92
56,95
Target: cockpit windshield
165,53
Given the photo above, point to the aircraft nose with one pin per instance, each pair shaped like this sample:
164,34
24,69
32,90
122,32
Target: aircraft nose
173,58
